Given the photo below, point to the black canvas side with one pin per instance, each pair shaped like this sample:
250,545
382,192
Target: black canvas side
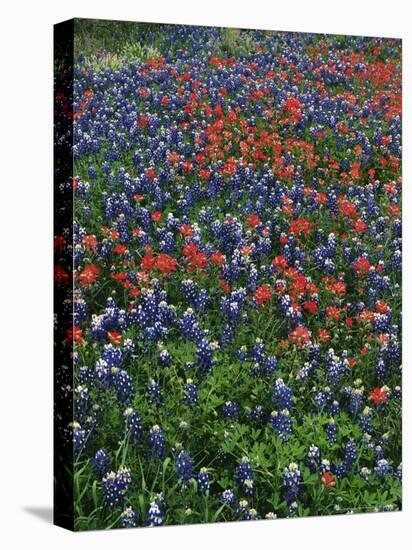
63,270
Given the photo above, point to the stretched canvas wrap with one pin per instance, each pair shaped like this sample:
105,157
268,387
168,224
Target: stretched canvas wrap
227,274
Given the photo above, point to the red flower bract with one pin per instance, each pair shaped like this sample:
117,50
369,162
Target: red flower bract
186,230
328,480
253,220
362,266
301,226
323,335
300,336
263,294
217,258
90,242
156,216
61,277
333,313
310,306
194,257
75,334
280,263
89,275
163,262
115,337
379,396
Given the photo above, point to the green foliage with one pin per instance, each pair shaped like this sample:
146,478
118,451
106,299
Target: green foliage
235,42
93,35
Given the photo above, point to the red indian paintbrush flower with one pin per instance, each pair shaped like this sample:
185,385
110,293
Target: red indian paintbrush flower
75,334
310,307
115,337
253,220
379,396
300,336
89,275
328,480
156,216
263,294
362,266
61,277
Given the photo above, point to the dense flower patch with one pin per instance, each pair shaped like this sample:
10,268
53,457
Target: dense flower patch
237,271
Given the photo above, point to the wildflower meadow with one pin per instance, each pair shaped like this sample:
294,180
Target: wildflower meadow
232,274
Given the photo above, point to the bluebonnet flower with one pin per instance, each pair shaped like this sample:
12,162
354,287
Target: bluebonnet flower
282,395
397,259
338,367
154,515
325,466
381,370
189,290
322,398
190,397
255,370
112,356
228,497
289,312
226,337
350,456
78,436
397,392
245,513
204,355
256,414
184,467
133,424
190,326
365,420
258,351
242,353
378,451
382,468
128,517
101,463
197,297
164,358
154,315
115,486
384,440
292,483
230,409
355,399
155,394
203,479
282,423
270,364
157,443
334,408
123,385
313,458
77,309
92,172
244,476
293,508
331,430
